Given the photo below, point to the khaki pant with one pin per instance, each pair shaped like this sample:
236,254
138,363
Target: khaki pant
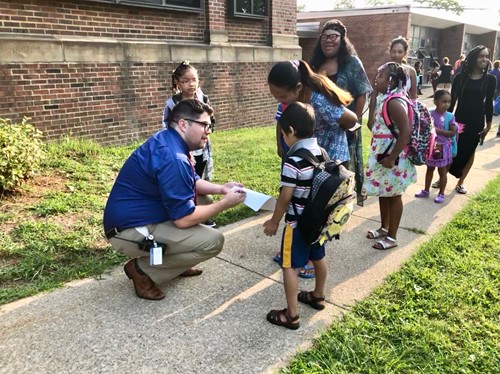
185,248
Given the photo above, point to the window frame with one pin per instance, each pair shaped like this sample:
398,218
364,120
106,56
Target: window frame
164,5
234,13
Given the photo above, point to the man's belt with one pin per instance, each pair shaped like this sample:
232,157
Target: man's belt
144,245
112,233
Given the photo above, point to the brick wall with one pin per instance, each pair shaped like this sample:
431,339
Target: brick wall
242,30
102,71
284,17
117,103
85,18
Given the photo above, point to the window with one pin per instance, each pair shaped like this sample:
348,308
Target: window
249,8
422,53
186,5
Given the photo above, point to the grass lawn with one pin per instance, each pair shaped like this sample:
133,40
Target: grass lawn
439,314
51,230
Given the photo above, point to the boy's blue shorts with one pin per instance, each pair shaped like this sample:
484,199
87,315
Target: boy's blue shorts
295,252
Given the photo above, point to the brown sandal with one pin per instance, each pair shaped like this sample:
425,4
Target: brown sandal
308,298
274,316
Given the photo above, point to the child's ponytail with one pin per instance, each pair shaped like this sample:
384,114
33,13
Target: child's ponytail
323,84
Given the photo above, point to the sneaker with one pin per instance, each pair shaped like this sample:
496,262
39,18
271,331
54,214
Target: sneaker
461,189
439,198
210,223
422,193
435,184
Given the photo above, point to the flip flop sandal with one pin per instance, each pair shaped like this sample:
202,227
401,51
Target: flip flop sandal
461,189
375,234
308,298
274,316
386,243
193,272
303,272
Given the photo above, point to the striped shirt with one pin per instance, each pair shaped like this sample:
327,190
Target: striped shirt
298,173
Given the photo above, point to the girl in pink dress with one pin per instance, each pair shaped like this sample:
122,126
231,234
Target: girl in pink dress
442,156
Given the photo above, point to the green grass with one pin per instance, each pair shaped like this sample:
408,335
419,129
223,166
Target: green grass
439,314
55,235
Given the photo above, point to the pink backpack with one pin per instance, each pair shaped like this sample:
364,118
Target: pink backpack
422,136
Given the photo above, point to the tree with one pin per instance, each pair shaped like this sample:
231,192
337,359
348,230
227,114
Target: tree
344,4
301,8
379,2
451,5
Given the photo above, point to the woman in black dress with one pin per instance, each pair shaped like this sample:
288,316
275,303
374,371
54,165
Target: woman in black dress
444,79
472,93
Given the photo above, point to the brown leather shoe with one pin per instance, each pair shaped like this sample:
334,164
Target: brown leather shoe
145,288
193,272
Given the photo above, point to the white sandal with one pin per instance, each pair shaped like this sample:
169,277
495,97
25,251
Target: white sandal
386,243
375,234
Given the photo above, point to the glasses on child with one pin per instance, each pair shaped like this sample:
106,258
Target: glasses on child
206,125
331,37
187,81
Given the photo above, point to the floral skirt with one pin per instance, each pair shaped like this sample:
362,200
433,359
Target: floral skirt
385,182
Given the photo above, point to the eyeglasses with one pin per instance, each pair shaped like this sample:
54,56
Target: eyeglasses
331,37
207,126
187,81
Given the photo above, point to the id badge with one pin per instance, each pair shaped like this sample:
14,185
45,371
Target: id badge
155,255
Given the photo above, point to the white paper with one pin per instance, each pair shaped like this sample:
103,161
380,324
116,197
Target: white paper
257,200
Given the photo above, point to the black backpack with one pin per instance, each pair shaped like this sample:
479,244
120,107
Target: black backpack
329,204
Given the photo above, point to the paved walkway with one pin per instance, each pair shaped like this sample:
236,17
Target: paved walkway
216,323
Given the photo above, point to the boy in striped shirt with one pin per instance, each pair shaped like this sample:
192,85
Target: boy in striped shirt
296,125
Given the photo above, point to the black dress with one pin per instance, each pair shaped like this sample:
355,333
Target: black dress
445,76
475,104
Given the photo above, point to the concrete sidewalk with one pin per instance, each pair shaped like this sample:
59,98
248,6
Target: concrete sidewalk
216,323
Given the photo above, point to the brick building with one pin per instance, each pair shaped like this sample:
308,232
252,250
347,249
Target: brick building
101,69
430,33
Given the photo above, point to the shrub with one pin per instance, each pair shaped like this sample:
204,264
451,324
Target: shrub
21,153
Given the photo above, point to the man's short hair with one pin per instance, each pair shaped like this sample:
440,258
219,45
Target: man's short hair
188,109
300,117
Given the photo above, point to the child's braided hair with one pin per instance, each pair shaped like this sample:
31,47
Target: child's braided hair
397,75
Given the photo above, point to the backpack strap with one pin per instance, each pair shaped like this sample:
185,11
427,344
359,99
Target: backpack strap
385,112
387,119
167,111
176,98
447,120
307,155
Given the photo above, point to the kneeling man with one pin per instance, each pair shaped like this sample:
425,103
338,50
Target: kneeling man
151,214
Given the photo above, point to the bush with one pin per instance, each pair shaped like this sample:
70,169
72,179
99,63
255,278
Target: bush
21,153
